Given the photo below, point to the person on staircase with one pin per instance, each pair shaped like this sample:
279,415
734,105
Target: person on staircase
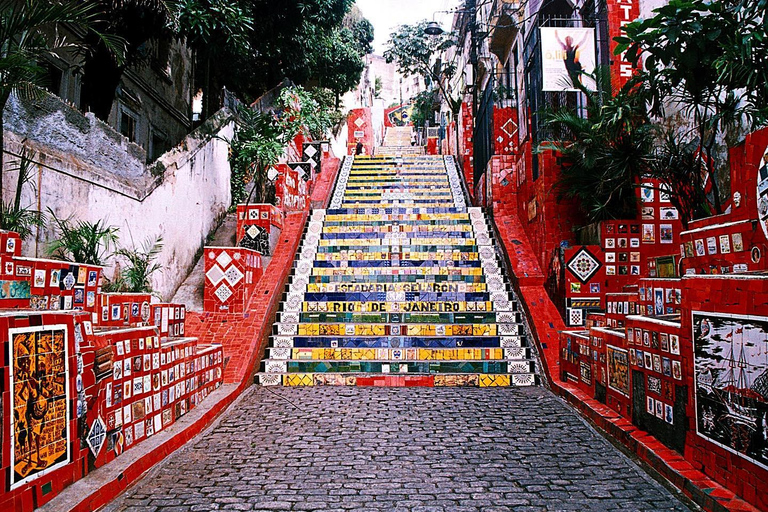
413,138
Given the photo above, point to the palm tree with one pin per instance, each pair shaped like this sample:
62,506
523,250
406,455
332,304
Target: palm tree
604,151
29,32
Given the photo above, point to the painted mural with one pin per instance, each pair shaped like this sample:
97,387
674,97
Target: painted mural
400,116
618,370
731,379
40,432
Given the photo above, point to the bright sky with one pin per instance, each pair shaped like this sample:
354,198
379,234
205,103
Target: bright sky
386,15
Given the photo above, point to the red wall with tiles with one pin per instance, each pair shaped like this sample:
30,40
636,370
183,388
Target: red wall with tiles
230,276
734,295
360,127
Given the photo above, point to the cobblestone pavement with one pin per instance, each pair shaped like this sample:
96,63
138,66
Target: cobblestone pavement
419,449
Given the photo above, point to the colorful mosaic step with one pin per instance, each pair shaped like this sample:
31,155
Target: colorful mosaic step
398,278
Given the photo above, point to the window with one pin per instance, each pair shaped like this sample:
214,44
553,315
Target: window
53,77
128,125
158,144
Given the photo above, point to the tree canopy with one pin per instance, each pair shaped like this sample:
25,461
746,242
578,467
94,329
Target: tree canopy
415,52
249,46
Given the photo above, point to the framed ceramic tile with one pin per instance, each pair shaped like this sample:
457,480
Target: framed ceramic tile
711,245
725,244
738,242
700,248
674,344
649,234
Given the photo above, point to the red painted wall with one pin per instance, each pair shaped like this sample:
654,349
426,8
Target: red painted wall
360,128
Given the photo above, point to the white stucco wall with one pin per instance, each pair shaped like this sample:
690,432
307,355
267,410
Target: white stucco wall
181,203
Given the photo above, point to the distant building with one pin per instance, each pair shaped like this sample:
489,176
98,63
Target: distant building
153,102
395,88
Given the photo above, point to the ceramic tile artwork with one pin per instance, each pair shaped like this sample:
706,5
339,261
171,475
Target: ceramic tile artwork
397,278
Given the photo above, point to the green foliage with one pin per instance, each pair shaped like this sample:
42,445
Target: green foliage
423,107
313,42
414,52
677,163
13,216
258,143
83,241
701,52
708,58
301,110
603,152
338,60
377,87
212,23
261,138
134,276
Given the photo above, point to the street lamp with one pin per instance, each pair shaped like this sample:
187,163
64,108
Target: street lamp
433,29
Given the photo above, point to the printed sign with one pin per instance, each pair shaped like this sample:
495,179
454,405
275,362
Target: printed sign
40,435
731,379
568,55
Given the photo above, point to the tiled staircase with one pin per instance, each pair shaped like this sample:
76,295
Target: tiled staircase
397,142
398,283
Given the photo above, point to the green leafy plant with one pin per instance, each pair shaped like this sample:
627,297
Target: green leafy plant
415,53
604,150
134,276
708,60
14,216
424,105
261,138
258,143
83,241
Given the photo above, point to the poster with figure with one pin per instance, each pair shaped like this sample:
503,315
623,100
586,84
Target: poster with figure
731,382
762,191
618,370
568,56
40,435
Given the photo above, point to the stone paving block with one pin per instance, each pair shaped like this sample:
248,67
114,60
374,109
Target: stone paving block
398,449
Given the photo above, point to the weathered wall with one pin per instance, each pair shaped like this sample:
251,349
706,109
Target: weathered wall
87,171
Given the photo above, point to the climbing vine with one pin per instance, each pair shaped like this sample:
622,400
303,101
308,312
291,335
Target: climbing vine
261,138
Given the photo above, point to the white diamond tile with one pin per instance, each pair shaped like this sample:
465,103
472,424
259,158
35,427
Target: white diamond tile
233,275
224,259
215,274
223,293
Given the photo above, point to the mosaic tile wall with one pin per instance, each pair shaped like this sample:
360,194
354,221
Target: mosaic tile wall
86,375
398,283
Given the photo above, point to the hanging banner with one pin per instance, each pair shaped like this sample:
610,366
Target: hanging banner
567,56
625,11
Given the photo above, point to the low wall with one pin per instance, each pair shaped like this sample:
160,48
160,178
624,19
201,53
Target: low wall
87,171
